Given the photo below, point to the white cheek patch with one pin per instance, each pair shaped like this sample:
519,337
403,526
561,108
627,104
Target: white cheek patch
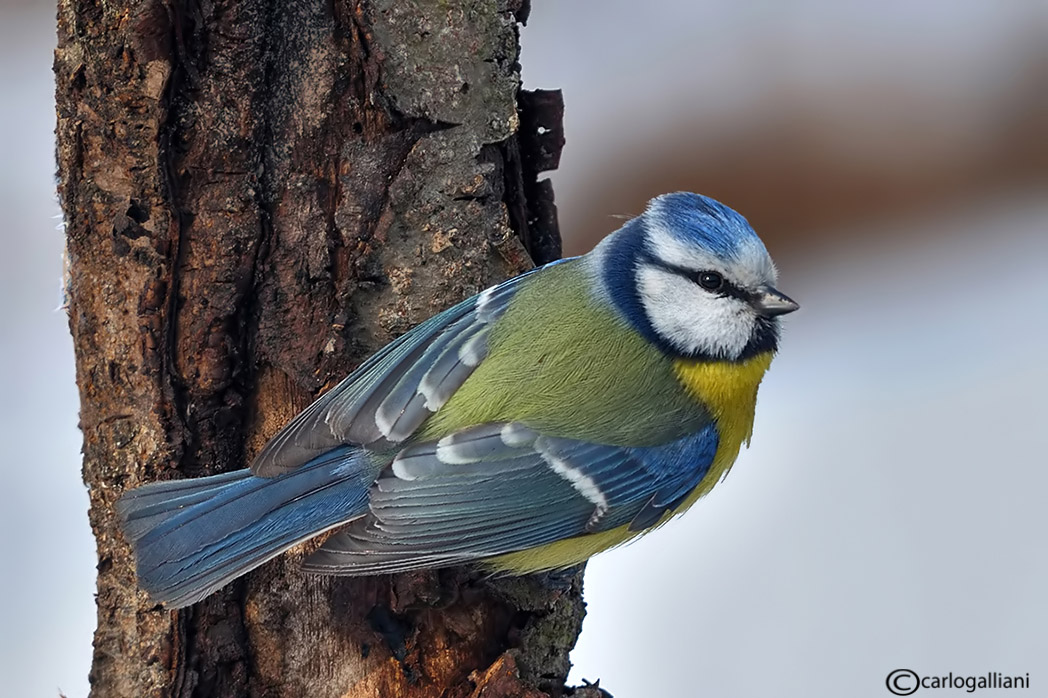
692,319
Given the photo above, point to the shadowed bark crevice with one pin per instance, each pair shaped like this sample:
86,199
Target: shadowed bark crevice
257,196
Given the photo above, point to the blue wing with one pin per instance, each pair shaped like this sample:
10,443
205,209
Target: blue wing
500,488
391,394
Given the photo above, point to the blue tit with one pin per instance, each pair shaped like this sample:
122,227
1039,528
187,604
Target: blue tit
542,421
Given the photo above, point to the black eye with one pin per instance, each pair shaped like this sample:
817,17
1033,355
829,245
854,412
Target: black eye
710,280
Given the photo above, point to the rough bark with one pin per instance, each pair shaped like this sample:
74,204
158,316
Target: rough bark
257,195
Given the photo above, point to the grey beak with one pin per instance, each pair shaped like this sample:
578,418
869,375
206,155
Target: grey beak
771,303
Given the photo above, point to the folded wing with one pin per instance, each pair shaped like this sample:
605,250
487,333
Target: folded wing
391,394
500,488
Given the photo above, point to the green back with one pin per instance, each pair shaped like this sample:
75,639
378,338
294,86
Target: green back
564,363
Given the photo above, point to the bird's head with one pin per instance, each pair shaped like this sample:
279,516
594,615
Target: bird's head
692,276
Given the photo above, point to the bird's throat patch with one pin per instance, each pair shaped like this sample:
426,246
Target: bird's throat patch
727,389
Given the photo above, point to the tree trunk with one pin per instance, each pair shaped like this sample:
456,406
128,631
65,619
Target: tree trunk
258,194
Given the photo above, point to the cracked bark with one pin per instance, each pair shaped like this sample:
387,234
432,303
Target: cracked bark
257,195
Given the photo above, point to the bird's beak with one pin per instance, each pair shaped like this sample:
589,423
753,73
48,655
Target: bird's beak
770,303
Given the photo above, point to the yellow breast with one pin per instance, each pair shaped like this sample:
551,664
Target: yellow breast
729,392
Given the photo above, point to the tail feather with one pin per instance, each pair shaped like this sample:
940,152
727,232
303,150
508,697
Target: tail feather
145,508
192,537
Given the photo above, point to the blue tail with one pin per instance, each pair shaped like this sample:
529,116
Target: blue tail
193,536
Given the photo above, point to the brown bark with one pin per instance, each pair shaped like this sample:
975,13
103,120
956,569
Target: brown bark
258,194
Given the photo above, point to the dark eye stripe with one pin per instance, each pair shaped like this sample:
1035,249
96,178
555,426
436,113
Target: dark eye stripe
727,288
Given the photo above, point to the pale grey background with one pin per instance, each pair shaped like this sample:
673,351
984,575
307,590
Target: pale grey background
891,510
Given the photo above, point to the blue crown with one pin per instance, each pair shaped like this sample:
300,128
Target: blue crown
700,221
694,220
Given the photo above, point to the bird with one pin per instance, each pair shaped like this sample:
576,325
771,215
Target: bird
548,418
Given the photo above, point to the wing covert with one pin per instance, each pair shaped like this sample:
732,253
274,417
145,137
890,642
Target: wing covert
499,488
392,393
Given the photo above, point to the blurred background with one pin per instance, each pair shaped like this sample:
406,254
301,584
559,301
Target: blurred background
891,511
